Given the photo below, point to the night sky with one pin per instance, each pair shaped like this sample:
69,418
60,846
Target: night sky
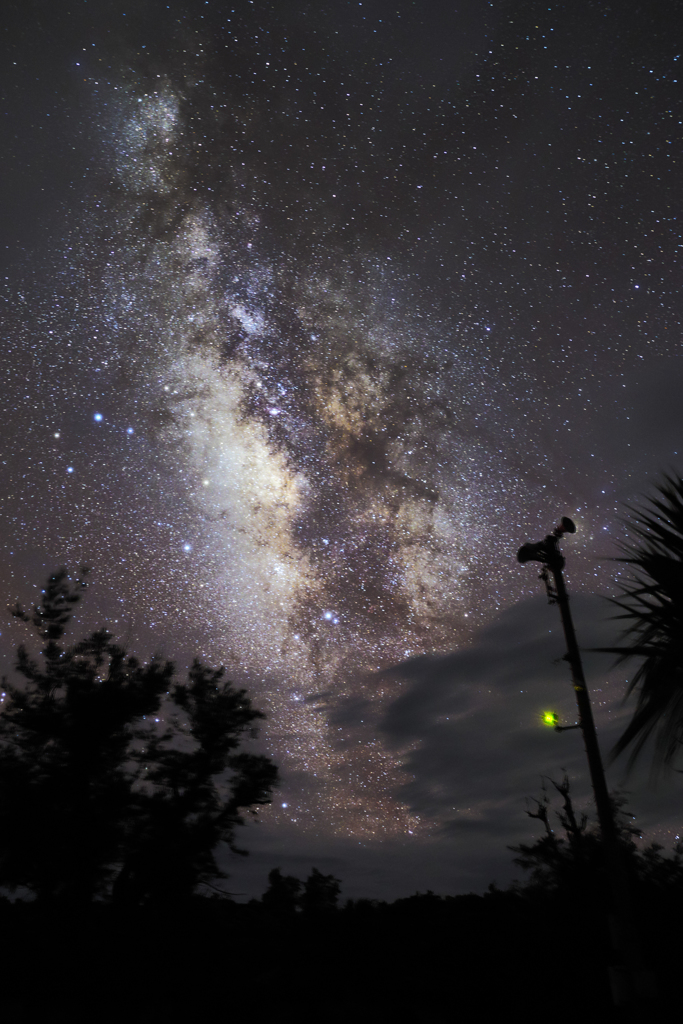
312,313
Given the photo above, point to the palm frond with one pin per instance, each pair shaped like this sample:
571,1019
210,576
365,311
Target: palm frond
652,605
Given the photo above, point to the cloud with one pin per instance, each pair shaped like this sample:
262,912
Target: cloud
468,728
469,723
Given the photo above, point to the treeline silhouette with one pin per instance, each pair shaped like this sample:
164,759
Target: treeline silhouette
299,953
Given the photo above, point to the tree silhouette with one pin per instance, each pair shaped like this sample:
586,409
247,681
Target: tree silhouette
282,895
321,892
569,861
95,801
652,605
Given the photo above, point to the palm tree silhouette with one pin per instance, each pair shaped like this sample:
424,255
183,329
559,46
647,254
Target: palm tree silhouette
652,605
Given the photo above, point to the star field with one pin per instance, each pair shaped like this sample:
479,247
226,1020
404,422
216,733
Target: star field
334,307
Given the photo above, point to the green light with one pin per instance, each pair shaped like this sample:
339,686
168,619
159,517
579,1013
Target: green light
549,718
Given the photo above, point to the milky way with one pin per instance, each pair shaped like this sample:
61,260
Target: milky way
363,297
316,430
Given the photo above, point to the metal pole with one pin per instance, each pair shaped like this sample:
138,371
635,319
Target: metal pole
555,563
629,981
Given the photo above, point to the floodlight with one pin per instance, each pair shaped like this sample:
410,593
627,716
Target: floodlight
532,552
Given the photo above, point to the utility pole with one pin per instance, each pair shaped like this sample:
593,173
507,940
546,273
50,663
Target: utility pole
631,984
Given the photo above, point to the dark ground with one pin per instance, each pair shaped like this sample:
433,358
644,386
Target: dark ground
419,959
